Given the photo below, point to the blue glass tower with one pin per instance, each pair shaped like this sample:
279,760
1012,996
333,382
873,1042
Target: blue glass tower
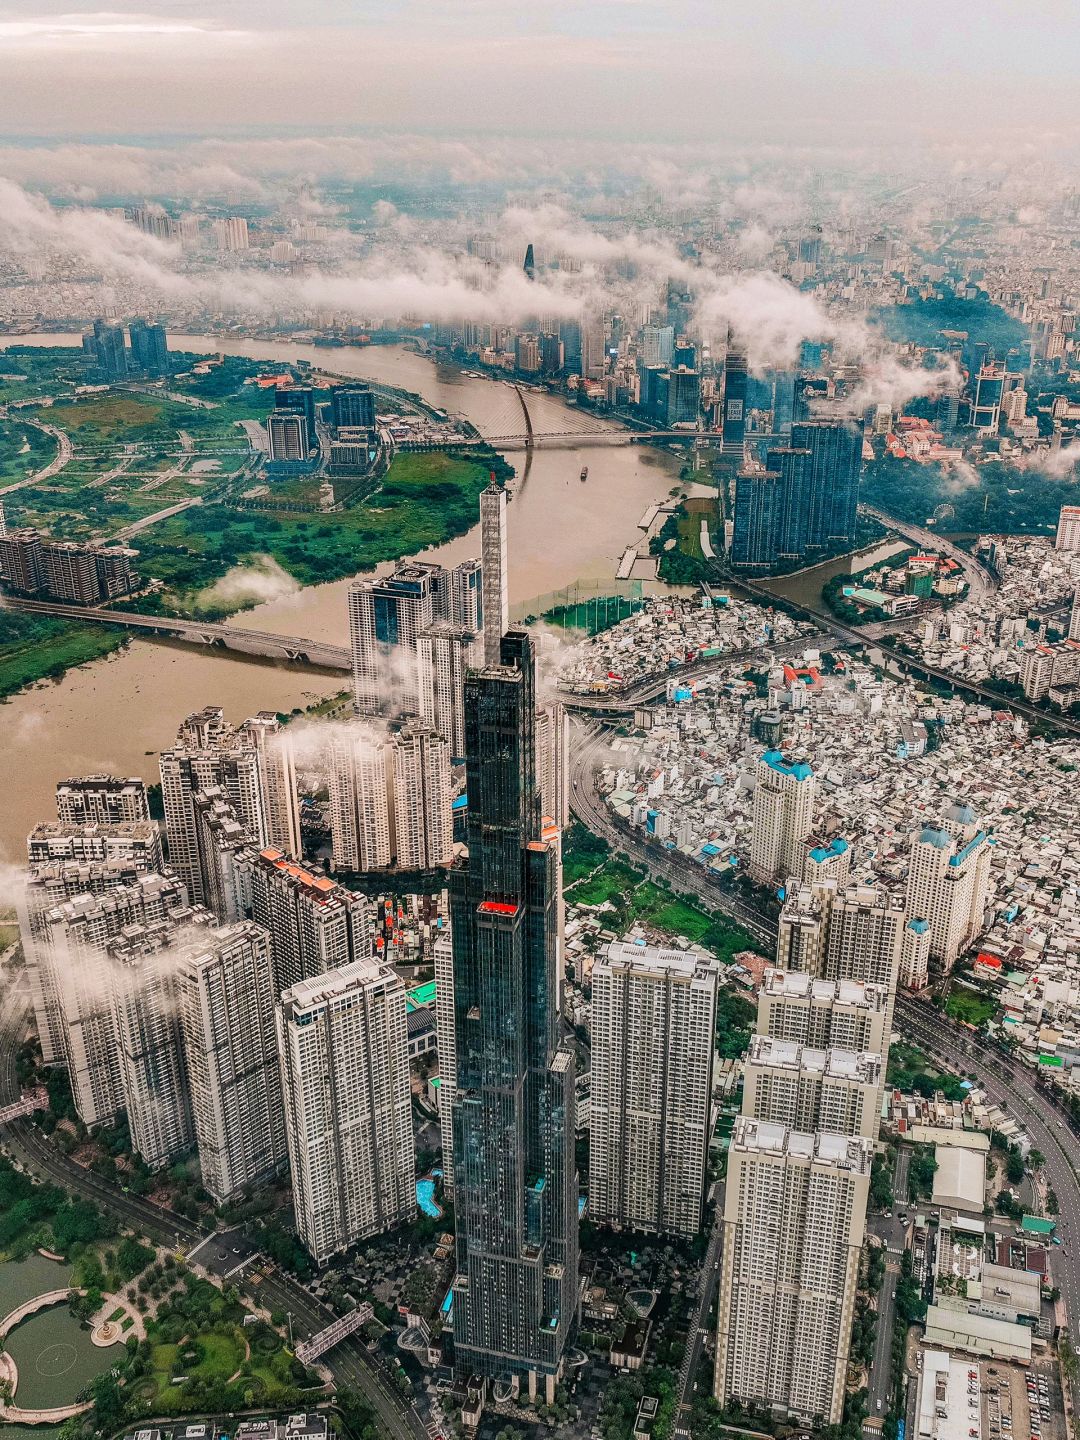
515,1185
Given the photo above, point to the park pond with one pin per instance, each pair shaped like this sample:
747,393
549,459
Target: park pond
55,1357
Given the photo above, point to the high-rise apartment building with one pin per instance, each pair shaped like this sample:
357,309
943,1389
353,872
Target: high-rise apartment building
822,1014
1068,528
915,955
101,799
77,934
209,755
149,347
515,1184
948,876
352,407
794,1221
809,504
314,925
784,797
835,1090
277,778
653,1021
423,832
444,1028
553,763
494,569
286,438
220,839
53,842
226,997
447,650
348,1105
759,508
386,619
832,477
357,757
109,349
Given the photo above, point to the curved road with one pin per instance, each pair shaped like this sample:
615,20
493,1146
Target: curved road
349,1363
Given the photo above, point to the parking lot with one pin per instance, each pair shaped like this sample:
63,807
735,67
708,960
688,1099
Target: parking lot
1021,1404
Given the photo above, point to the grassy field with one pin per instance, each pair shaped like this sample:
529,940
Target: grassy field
910,1070
971,1008
23,449
424,500
35,647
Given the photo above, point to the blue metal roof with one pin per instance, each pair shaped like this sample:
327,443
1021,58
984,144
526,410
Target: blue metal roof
775,761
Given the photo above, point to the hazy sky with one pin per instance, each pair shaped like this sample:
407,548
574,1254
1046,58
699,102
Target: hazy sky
868,71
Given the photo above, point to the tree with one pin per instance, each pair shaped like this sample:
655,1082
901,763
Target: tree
108,1402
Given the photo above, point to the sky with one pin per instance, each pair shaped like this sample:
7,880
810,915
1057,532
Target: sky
865,72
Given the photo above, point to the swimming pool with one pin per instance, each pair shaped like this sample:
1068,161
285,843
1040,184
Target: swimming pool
425,1197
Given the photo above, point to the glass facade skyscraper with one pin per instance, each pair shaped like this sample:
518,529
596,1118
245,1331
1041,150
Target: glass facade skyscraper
515,1185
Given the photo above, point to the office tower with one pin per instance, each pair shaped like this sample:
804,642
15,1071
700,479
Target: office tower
149,348
784,796
529,267
445,649
551,354
1068,528
527,354
790,538
789,1084
299,400
1074,618
359,808
810,247
515,1186
444,1027
653,1023
494,570
553,763
823,1014
141,974
683,396
314,924
110,351
735,380
76,935
657,345
101,799
948,877
286,437
277,780
209,755
794,1220
759,509
386,619
988,388
226,996
348,1105
352,407
832,475
220,839
915,955
423,833
947,409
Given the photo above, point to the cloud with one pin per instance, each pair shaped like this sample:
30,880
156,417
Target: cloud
259,581
1058,464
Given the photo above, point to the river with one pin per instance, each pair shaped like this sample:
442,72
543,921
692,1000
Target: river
805,586
118,713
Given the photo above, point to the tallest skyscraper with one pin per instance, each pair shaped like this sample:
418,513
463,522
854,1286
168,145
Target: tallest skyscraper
515,1187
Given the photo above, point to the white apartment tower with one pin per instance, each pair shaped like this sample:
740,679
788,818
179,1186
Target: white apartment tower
784,796
1068,528
653,1019
794,1219
359,799
834,1090
423,832
446,1037
387,617
101,799
494,569
226,1002
948,877
915,955
314,925
348,1118
553,763
823,1014
277,773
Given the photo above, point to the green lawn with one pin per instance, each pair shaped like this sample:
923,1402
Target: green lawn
36,647
23,449
967,1006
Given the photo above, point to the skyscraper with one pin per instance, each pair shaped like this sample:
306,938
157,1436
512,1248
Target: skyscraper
735,380
423,834
823,1014
794,1220
444,1026
299,400
277,779
357,757
529,267
759,509
314,925
348,1105
948,875
352,407
835,1090
110,350
515,1185
653,1021
226,1003
832,479
494,570
784,796
149,347
386,619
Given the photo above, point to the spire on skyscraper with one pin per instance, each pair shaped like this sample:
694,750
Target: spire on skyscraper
493,568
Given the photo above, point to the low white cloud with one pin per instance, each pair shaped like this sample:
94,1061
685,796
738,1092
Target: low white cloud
259,581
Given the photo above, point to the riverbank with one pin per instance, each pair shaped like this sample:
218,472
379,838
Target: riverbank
37,647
